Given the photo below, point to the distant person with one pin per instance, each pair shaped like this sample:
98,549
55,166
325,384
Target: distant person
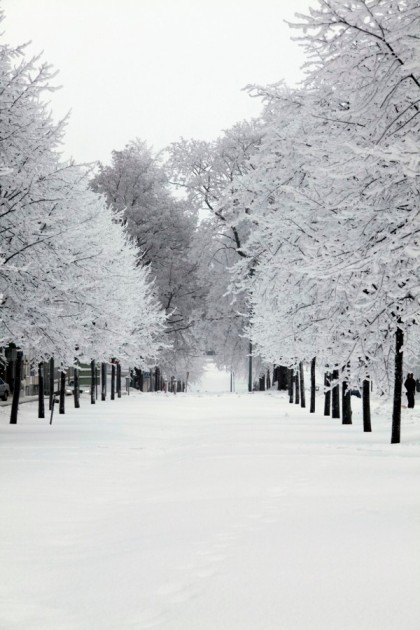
410,386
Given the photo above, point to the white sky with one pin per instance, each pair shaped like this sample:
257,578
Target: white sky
155,69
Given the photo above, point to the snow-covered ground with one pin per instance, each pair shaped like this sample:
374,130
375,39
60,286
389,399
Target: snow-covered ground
207,512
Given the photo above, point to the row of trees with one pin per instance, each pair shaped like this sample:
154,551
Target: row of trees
294,239
315,205
72,285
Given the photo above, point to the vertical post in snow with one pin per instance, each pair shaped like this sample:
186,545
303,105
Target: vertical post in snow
113,379
290,384
62,407
313,386
367,426
302,385
92,381
16,390
119,379
335,399
76,386
346,399
327,392
41,406
103,380
398,383
51,383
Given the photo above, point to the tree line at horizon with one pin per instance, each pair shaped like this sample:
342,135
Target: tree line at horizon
294,241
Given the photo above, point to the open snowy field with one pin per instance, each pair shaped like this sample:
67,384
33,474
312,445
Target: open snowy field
208,512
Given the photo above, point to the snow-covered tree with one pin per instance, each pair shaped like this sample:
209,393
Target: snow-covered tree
205,171
69,277
163,229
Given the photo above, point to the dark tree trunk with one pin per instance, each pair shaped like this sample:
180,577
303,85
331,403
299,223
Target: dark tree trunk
250,383
178,386
92,382
41,405
313,386
297,388
156,379
346,400
16,392
112,380
119,380
335,395
398,383
327,394
76,388
290,384
62,407
51,383
268,379
302,385
262,383
282,377
103,381
367,427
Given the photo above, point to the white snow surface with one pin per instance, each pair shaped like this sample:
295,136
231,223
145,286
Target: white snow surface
208,512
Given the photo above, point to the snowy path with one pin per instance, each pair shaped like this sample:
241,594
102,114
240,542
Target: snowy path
206,512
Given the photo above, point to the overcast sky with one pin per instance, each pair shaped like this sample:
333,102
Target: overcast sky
155,69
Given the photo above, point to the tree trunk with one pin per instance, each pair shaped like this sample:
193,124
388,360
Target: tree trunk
41,405
103,381
282,378
16,391
112,380
290,384
335,395
92,382
313,386
51,383
76,388
302,385
327,394
62,407
268,379
398,383
262,383
367,427
250,383
297,389
119,380
346,401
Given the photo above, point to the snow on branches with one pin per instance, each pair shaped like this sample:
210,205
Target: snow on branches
69,277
